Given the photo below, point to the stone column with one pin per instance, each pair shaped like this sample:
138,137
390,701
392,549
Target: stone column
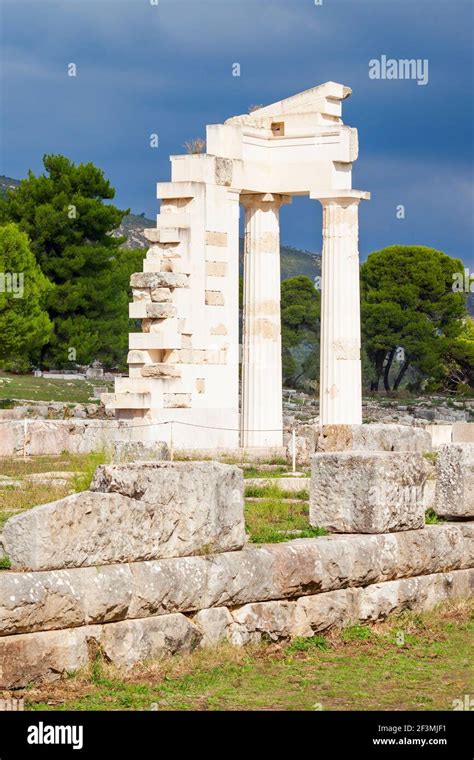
261,416
340,373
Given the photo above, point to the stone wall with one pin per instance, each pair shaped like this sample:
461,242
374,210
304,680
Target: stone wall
153,561
52,437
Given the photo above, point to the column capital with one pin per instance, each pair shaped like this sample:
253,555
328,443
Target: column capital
263,199
340,196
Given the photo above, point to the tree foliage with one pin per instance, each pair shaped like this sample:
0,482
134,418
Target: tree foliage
24,323
64,214
300,317
408,303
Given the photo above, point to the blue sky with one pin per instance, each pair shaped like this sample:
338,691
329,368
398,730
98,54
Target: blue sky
167,69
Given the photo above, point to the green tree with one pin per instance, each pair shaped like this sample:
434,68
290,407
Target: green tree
300,317
24,324
458,361
69,225
408,303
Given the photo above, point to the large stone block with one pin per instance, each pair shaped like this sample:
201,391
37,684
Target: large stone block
32,658
132,641
47,655
367,492
373,437
198,505
213,624
305,444
268,621
155,280
64,598
454,496
135,512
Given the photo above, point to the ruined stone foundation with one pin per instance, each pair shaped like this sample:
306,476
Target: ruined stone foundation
153,560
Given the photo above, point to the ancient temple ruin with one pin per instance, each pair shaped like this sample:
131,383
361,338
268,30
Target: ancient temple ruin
184,365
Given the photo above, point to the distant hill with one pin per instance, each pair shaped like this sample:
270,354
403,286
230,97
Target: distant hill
7,183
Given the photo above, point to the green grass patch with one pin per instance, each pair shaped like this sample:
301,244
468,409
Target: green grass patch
272,491
14,500
255,472
301,644
356,633
82,481
31,388
5,563
273,520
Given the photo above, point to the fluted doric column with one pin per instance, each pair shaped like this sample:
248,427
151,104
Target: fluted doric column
340,373
261,414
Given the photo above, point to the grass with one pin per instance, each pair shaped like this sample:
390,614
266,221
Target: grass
341,671
431,518
254,472
30,494
31,388
273,521
273,491
83,479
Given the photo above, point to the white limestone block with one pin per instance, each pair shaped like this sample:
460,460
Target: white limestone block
454,497
367,492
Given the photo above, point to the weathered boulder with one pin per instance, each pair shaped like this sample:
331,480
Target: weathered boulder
137,512
318,614
454,496
367,492
373,437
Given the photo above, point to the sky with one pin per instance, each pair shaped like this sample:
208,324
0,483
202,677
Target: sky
167,69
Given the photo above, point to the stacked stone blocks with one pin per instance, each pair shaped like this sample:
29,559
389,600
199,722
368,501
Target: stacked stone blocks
153,560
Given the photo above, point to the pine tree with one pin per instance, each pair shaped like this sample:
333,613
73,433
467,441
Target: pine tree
70,228
24,323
